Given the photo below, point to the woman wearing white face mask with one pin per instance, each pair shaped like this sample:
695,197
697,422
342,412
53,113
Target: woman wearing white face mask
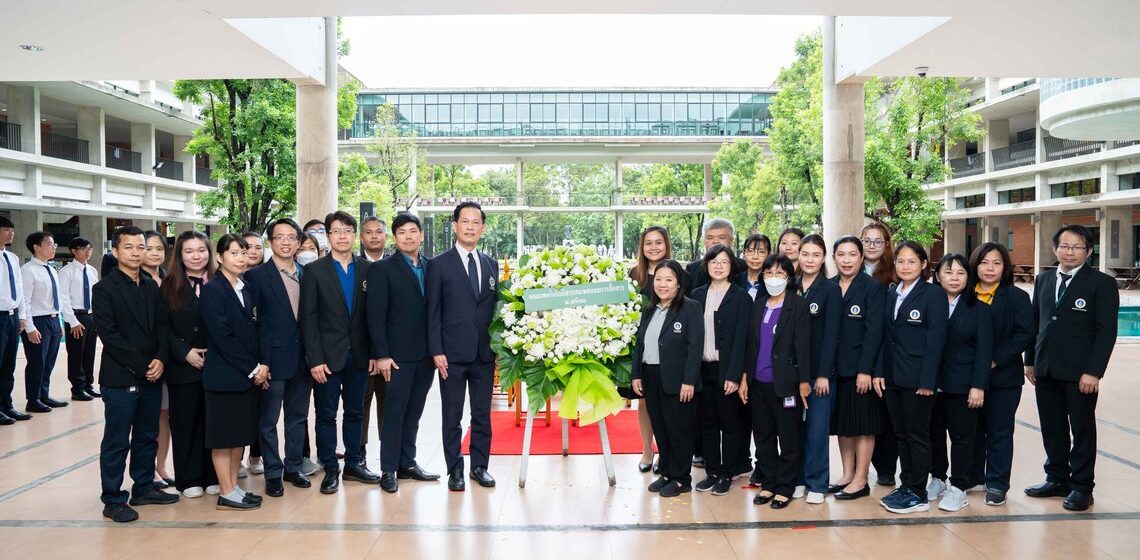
309,250
777,370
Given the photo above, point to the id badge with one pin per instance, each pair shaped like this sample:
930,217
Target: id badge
789,402
133,389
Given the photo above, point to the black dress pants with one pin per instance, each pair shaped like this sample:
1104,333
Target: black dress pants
81,353
910,416
376,389
885,458
1063,409
474,379
720,423
993,444
779,438
951,414
193,465
674,427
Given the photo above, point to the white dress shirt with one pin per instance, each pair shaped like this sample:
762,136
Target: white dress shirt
71,288
902,295
954,304
39,297
7,303
238,287
478,264
1072,274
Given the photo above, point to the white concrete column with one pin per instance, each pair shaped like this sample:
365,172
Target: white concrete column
94,228
90,126
954,237
150,197
708,181
1041,186
1039,139
145,224
991,193
182,227
519,234
1109,182
619,236
24,110
997,136
26,222
146,91
316,138
992,90
1045,225
189,171
619,181
142,141
843,138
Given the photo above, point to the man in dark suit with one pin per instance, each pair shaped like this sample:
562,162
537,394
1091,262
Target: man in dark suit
277,287
132,322
334,330
1075,310
460,305
398,327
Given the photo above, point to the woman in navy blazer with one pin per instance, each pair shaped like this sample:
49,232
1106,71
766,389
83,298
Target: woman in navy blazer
916,316
857,417
1012,313
233,370
963,377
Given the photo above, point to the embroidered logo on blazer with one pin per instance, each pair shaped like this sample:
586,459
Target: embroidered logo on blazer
677,327
814,308
1080,303
491,282
364,286
856,310
915,315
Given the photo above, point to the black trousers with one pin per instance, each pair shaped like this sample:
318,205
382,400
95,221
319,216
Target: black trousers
1063,409
375,390
476,379
130,426
885,457
289,397
952,415
9,343
41,357
910,416
779,439
192,463
993,444
720,423
674,426
744,448
407,393
81,352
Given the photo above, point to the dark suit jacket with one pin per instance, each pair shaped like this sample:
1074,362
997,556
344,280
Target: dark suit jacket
860,328
279,334
1012,313
234,350
132,322
730,322
825,305
329,333
457,319
915,338
397,310
969,349
680,345
791,349
1077,336
186,331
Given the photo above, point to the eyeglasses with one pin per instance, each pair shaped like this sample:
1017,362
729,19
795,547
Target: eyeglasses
907,262
285,238
1074,248
755,252
342,231
873,242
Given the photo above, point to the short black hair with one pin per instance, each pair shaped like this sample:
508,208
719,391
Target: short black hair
1081,231
758,239
794,230
468,204
342,217
713,252
968,294
847,239
679,273
6,222
249,233
228,239
283,222
78,243
129,231
369,219
35,238
777,260
918,250
150,234
404,218
815,239
1006,262
313,222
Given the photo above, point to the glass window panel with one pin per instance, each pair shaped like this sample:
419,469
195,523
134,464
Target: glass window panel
666,97
666,111
563,112
720,110
470,98
536,112
706,111
615,97
627,98
417,113
509,113
523,98
627,111
575,98
400,99
419,98
431,98
654,97
720,97
484,112
654,111
470,113
642,114
563,97
496,98
509,98
484,98
575,112
680,112
588,112
587,98
705,98
496,113
694,111
432,114
681,98
641,97
603,112
548,97
548,112
445,113
523,113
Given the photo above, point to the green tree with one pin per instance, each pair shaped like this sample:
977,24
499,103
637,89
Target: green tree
397,155
738,200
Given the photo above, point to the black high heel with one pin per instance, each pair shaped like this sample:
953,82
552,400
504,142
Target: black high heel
761,499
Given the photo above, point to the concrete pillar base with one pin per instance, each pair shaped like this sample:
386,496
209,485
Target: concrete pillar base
1047,223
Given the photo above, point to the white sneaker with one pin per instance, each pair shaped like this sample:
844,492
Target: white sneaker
257,468
814,498
977,488
308,466
935,489
213,489
799,492
193,492
954,500
243,472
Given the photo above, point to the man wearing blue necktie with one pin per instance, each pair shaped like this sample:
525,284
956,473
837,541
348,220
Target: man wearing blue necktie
11,323
76,280
43,332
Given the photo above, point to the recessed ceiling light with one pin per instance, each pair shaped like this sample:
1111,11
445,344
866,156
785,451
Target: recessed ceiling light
32,48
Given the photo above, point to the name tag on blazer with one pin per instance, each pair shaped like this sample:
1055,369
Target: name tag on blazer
855,312
813,309
1080,304
914,317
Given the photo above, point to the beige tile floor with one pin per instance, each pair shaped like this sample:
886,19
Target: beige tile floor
49,507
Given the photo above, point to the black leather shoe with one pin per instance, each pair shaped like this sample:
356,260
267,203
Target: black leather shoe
674,489
5,421
274,488
360,473
388,482
120,513
658,484
860,493
54,403
81,396
1048,489
644,467
455,481
37,406
251,497
1077,501
762,499
414,472
245,504
95,394
298,480
154,497
482,477
16,414
780,504
835,488
331,482
885,481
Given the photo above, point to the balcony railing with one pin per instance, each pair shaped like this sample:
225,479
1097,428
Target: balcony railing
1124,143
168,169
1015,155
64,147
10,136
123,159
204,176
972,164
555,200
1061,148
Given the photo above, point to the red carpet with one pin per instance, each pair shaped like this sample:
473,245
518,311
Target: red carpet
506,439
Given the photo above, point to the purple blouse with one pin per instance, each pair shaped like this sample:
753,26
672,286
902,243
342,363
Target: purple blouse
767,336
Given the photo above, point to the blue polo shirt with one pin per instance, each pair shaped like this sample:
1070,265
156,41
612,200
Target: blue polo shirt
346,277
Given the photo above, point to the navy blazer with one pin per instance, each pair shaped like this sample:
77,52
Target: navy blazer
458,319
133,323
1012,313
825,305
329,332
397,309
187,331
860,328
279,334
680,345
1077,336
968,352
730,326
231,327
914,341
791,349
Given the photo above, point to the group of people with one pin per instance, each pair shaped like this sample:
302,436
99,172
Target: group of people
907,364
